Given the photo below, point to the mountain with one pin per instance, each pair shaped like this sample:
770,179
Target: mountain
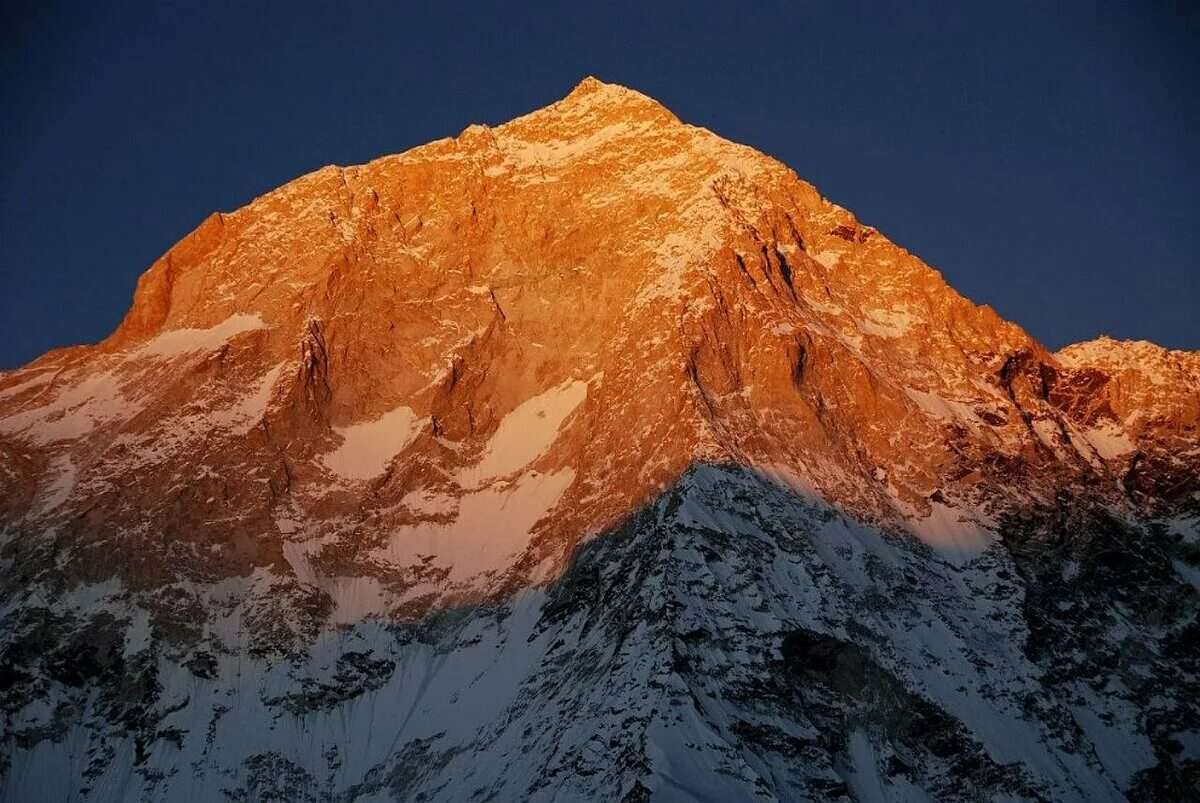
590,456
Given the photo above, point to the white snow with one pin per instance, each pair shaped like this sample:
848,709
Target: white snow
429,503
251,407
525,434
951,534
37,380
296,554
1121,756
355,598
827,258
74,412
491,529
887,323
59,488
184,341
1047,432
509,695
524,153
940,407
1109,441
367,448
1188,572
863,772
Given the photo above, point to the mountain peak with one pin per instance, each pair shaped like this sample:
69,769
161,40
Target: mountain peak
592,270
647,375
591,85
595,91
606,102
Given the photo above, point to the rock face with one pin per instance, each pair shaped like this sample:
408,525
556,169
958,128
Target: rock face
591,455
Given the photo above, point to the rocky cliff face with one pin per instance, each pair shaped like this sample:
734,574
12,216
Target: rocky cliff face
391,475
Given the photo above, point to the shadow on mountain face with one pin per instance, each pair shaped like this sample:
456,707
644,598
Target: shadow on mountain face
730,639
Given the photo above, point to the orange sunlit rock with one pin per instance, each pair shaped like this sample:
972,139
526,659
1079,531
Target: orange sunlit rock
446,368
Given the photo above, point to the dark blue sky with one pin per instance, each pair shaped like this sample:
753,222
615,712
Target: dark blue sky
1042,156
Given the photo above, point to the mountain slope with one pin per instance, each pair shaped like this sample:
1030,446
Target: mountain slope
357,435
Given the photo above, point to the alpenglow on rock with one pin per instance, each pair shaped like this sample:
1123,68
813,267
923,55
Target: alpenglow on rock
590,456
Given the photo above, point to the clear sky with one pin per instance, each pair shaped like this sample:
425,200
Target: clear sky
1043,156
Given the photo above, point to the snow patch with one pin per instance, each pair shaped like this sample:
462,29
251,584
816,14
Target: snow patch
491,530
429,503
526,153
525,434
1047,432
59,489
367,448
296,554
954,537
1187,572
939,407
75,412
862,774
250,408
185,341
1109,441
355,598
829,259
887,323
36,381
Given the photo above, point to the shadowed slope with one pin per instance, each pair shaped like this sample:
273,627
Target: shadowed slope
730,639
